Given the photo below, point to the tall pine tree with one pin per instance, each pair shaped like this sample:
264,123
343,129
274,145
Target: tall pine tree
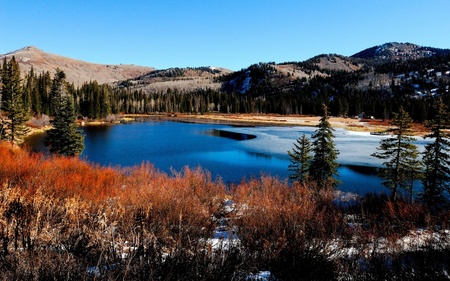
324,162
402,166
436,158
64,138
13,126
300,159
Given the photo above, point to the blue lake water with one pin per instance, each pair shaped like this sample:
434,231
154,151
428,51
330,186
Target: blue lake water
263,150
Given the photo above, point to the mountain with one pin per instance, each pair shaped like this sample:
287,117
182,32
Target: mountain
375,66
394,51
76,71
269,77
284,76
189,78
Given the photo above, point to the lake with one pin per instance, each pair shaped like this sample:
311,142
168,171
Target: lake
227,152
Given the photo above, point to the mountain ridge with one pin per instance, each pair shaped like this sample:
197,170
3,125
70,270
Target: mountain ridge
77,71
151,79
394,51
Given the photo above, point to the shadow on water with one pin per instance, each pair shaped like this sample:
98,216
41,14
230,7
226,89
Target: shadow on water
35,143
230,135
259,155
365,170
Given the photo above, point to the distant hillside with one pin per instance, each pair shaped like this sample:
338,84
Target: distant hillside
394,51
77,71
285,76
375,66
184,79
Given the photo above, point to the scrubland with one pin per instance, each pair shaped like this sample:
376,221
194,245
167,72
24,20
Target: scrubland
65,219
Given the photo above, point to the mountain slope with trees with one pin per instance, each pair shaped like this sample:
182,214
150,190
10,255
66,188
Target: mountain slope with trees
350,86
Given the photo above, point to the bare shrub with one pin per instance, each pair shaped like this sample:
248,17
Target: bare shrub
39,121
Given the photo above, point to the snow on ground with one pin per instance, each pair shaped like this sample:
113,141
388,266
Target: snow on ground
246,85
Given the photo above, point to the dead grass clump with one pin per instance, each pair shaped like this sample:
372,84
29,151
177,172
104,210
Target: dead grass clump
285,228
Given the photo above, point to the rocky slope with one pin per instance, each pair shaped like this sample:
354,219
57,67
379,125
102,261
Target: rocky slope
77,71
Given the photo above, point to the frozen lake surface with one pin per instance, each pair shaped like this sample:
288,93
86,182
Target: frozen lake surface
354,148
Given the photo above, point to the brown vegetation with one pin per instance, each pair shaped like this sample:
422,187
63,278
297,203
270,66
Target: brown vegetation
351,124
64,219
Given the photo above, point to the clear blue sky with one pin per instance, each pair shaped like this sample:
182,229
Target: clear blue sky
228,33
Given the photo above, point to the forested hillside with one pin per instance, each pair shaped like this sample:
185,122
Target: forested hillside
364,84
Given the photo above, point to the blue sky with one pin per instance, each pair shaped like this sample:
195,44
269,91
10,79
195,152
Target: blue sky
229,33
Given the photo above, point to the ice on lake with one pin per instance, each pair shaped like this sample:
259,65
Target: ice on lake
355,148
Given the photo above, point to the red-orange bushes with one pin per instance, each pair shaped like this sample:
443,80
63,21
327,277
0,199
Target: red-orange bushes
17,167
183,203
59,176
276,219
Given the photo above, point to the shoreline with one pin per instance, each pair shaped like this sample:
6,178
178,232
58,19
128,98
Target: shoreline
255,120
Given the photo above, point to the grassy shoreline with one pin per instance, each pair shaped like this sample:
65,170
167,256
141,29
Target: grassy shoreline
351,124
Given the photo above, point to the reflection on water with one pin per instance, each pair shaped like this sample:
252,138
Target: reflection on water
230,135
259,155
35,142
359,179
366,170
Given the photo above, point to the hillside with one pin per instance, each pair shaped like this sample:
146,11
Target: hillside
285,76
377,67
77,71
183,79
394,51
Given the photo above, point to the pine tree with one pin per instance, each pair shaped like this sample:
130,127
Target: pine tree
300,159
64,138
324,162
436,158
402,166
13,127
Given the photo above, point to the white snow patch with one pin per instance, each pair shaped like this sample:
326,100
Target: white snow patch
260,276
246,85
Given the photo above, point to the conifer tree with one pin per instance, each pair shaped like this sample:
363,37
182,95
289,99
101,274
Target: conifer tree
13,127
324,162
300,159
402,166
64,138
436,158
